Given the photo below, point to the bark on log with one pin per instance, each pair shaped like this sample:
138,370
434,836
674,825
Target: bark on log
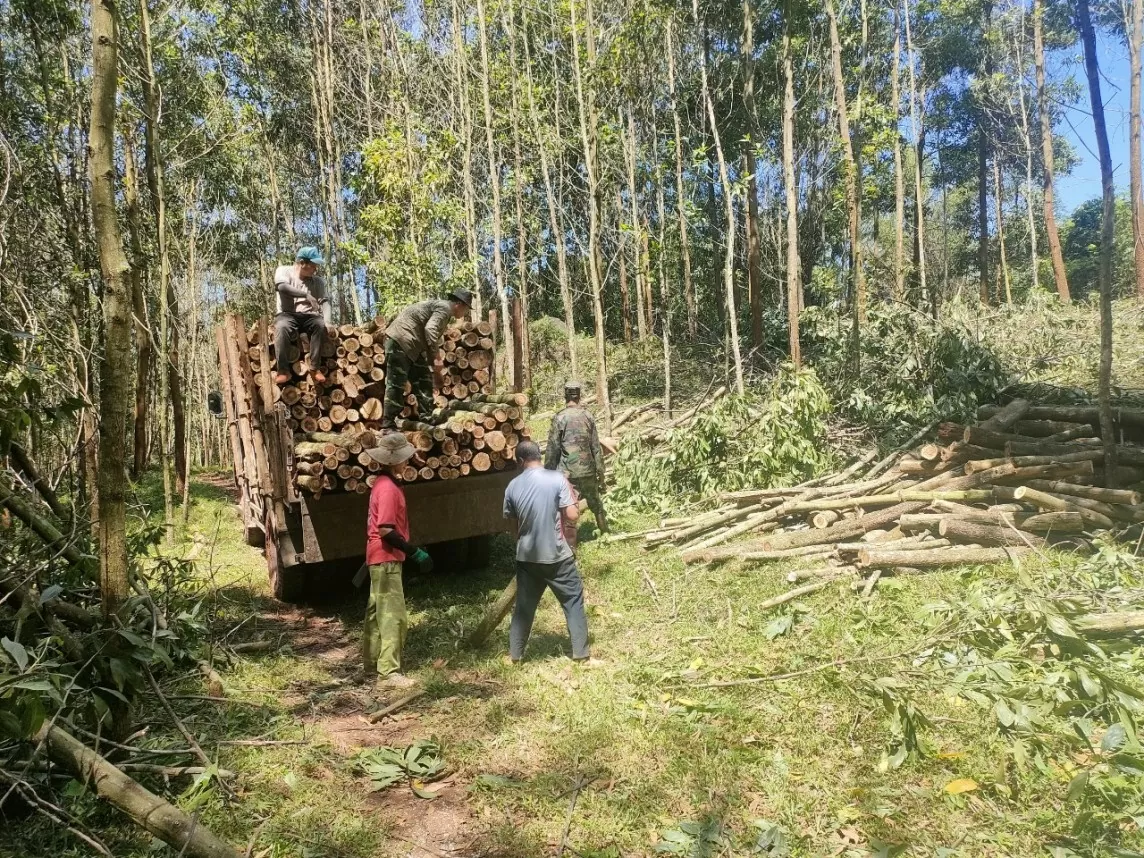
960,530
1007,415
25,463
1048,428
887,559
1133,417
1110,624
1057,503
162,819
493,616
43,528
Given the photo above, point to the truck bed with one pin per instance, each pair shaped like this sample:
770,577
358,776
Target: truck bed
332,527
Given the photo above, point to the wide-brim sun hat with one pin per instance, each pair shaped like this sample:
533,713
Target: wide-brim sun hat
392,449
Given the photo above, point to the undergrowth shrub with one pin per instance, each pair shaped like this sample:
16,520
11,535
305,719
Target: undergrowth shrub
749,441
911,369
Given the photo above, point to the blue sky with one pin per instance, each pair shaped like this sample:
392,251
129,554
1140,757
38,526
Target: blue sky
1083,183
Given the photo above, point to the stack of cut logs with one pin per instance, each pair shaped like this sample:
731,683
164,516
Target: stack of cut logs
472,431
1024,478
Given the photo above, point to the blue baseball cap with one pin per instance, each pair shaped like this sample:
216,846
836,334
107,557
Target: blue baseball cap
309,253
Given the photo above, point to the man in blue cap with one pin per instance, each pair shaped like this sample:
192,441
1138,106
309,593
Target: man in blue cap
302,308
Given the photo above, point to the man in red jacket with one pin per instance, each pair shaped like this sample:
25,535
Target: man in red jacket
387,532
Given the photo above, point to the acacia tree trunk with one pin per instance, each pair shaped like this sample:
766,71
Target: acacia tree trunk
1051,232
983,154
754,249
664,289
115,377
790,188
143,350
1135,46
851,169
494,183
1027,137
461,82
555,224
691,306
524,348
916,104
172,422
625,296
1107,235
1003,263
899,178
729,212
643,312
589,129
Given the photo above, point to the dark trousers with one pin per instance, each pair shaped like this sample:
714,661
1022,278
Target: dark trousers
400,368
563,579
287,326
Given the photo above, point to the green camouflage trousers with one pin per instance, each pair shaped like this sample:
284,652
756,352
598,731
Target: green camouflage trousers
400,369
588,488
383,636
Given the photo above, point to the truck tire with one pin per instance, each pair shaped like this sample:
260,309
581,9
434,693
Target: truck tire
286,584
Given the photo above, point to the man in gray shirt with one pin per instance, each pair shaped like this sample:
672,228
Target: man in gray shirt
538,499
302,308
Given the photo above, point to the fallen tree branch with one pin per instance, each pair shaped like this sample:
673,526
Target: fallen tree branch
148,810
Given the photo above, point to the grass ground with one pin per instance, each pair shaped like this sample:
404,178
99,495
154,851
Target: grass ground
636,756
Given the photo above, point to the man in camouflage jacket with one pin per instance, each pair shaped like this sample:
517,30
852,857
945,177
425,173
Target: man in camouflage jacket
412,341
574,448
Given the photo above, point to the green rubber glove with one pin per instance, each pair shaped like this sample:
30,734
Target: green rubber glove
424,562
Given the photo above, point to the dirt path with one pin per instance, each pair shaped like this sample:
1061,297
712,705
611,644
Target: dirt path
420,827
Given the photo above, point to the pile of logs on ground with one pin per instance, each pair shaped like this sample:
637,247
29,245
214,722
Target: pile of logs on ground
471,431
353,362
475,435
1024,478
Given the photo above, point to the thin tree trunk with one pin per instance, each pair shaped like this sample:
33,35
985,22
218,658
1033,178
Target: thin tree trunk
1135,46
589,125
729,210
1107,236
171,419
852,177
918,132
899,177
143,350
625,297
999,213
983,212
461,82
494,183
1047,161
664,288
555,225
1027,136
518,180
790,189
754,249
115,378
643,312
680,192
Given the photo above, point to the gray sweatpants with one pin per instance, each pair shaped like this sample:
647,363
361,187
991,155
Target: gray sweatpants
563,579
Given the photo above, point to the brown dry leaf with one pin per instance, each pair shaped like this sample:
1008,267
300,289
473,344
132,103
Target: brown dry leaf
440,663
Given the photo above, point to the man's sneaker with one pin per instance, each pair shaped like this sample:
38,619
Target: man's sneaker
281,378
319,376
394,681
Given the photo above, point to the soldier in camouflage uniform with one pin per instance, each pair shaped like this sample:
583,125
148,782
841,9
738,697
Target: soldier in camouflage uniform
411,343
574,448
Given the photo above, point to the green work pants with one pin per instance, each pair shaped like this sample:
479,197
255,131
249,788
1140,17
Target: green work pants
399,369
386,622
